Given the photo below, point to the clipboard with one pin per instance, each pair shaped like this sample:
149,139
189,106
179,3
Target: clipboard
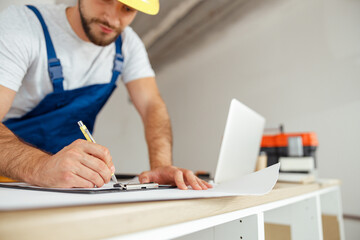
107,188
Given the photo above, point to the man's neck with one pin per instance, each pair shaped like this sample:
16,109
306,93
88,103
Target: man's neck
73,16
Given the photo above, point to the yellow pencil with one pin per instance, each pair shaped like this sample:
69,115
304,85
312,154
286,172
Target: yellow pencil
90,138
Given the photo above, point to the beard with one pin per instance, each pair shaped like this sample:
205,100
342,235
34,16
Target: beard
100,39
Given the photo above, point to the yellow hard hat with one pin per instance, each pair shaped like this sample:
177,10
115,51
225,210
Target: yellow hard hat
146,6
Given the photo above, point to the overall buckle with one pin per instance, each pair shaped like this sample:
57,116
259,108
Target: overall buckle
56,74
55,69
118,63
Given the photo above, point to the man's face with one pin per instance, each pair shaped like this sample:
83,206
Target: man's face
104,20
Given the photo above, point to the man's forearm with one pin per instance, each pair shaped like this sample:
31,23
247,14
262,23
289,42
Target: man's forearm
158,135
16,157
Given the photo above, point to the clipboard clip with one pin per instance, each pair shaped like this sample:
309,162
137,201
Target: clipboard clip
139,186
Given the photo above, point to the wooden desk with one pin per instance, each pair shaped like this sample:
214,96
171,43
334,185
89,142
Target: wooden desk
295,205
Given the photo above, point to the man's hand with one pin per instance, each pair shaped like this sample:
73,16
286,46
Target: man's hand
82,164
174,176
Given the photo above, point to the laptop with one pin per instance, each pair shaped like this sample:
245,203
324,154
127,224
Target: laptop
241,143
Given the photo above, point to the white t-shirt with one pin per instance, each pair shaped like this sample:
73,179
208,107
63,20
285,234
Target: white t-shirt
23,58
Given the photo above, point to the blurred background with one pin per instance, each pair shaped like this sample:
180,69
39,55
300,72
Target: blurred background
296,62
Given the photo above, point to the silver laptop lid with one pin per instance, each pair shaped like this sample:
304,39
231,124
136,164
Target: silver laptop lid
241,143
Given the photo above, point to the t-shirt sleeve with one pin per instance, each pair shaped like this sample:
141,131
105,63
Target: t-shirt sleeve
15,46
136,60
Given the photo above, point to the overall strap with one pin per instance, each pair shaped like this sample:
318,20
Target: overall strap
54,64
118,61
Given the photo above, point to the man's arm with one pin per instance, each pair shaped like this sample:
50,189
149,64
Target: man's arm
152,109
145,95
81,164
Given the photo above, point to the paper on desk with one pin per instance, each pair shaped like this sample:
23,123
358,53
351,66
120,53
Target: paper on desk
257,183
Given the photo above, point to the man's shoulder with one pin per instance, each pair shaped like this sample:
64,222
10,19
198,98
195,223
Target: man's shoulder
129,32
131,38
21,19
52,10
17,15
13,10
22,14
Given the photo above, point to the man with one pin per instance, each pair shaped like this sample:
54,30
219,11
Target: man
59,65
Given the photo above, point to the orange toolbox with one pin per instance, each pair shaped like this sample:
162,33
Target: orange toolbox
278,145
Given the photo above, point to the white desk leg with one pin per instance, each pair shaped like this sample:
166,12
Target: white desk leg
246,228
304,218
261,226
331,205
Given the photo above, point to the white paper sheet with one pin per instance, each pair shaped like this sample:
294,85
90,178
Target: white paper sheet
257,183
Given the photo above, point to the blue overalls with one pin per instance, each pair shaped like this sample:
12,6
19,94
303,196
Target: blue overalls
52,124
